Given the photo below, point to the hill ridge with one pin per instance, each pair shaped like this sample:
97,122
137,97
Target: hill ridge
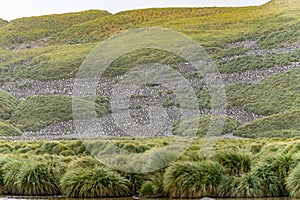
33,28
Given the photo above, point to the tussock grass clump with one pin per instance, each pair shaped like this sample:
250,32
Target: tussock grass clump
235,162
37,112
2,22
32,177
247,185
273,171
3,161
147,189
11,170
270,183
84,162
40,178
94,182
153,187
54,148
293,182
160,159
48,63
193,179
244,63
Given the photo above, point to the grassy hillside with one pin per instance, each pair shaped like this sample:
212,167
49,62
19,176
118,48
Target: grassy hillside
7,105
271,25
210,26
37,112
184,127
48,63
273,95
2,22
71,36
63,61
33,28
247,62
285,124
7,129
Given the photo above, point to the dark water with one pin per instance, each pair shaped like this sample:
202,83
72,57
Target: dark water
62,198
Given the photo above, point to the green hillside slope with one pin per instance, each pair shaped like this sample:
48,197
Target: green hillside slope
33,28
48,63
7,129
37,112
2,22
241,40
286,124
183,127
210,26
273,95
7,105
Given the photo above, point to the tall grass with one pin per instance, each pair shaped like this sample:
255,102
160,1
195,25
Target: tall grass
200,125
159,159
274,95
11,171
40,178
293,182
210,26
84,162
31,177
235,162
94,182
193,179
3,161
270,183
273,172
154,187
247,186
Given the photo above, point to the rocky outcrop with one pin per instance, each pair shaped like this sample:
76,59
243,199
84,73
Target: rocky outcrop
256,76
254,50
107,126
31,44
247,44
25,87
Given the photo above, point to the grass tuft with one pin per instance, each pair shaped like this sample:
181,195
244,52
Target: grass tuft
94,182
